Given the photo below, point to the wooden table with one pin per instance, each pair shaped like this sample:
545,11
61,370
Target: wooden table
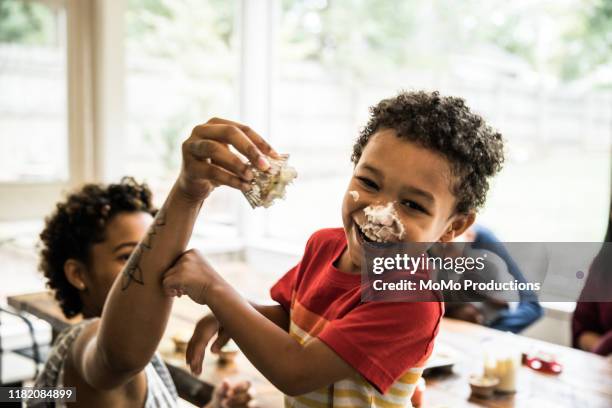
185,314
586,380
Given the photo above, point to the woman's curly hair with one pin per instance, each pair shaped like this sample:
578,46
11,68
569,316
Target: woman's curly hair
445,125
79,222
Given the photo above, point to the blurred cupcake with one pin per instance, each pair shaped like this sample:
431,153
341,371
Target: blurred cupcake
228,353
269,185
181,339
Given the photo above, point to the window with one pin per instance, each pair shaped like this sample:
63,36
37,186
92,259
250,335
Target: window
47,121
537,71
182,62
33,100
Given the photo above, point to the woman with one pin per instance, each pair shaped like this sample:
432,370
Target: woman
86,243
592,320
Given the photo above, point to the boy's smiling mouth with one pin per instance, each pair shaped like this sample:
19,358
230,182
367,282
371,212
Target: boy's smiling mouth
381,225
365,236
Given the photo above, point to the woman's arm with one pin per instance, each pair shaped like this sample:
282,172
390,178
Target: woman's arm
136,311
604,344
588,340
586,327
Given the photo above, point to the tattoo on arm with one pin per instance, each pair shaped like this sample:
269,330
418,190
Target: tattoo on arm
132,271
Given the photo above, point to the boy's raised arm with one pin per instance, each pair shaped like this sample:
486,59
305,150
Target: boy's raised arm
136,311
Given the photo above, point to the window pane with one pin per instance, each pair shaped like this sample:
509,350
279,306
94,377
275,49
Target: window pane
537,72
33,92
182,69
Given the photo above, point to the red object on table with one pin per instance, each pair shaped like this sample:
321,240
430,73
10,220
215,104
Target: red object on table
542,362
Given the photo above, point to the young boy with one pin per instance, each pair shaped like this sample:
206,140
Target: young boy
425,155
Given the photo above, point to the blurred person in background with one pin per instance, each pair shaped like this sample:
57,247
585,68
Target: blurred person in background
592,321
496,313
86,243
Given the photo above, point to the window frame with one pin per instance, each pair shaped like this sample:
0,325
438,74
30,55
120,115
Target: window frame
94,80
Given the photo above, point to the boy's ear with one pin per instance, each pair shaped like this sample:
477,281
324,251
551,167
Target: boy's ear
458,225
75,273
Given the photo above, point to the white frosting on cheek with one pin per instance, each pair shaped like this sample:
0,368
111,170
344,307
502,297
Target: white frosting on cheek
354,194
383,223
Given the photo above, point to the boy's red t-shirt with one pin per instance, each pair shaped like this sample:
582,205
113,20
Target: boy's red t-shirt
382,341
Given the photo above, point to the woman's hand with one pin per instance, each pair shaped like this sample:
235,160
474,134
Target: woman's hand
208,161
191,275
229,395
204,331
603,347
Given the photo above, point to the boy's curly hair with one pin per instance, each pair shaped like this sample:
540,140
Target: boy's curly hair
79,222
445,125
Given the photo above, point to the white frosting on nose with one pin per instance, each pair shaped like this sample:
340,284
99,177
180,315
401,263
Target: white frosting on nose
383,223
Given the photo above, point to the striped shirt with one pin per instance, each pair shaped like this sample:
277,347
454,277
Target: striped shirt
161,392
387,343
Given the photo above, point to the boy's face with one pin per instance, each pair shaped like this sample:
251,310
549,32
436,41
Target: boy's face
416,180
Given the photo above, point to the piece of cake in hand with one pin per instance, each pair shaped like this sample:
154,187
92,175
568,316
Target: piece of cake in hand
270,184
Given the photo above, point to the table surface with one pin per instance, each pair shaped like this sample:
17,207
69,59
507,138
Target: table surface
586,380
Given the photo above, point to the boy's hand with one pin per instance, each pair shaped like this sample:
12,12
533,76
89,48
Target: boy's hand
190,275
208,161
205,329
232,396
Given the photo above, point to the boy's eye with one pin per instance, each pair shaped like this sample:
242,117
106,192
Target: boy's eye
368,183
415,206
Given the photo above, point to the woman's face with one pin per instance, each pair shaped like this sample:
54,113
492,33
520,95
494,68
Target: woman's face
108,257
